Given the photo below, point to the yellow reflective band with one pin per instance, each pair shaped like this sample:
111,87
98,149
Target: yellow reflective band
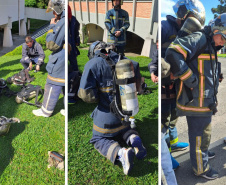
174,141
106,89
50,31
109,131
56,79
107,20
179,49
199,155
186,75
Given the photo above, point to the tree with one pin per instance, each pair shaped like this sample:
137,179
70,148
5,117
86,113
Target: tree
37,3
221,8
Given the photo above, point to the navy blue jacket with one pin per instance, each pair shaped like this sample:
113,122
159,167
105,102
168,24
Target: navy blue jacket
55,41
96,86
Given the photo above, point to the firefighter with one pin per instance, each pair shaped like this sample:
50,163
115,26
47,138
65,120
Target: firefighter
55,41
96,86
117,23
194,62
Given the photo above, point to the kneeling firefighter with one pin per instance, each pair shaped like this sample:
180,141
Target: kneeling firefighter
193,60
55,41
112,82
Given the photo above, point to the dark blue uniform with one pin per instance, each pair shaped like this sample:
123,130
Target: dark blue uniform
74,39
96,86
55,41
117,20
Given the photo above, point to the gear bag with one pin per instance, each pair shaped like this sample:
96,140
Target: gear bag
21,78
28,92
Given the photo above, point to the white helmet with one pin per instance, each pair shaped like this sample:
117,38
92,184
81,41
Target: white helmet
57,6
183,7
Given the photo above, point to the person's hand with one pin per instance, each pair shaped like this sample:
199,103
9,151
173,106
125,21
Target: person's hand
154,78
37,67
53,21
172,77
30,66
117,33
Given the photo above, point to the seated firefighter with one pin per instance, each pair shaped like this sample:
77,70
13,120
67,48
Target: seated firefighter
32,52
99,84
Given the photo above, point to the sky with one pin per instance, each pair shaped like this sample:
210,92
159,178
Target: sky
167,8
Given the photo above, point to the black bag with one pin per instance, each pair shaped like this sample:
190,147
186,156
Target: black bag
28,92
21,78
73,85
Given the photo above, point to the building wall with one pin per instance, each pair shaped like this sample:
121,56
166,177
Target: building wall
9,8
94,32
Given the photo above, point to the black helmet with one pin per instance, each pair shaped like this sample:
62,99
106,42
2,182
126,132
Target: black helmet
99,46
118,6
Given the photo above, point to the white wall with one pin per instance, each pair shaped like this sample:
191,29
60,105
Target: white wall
9,8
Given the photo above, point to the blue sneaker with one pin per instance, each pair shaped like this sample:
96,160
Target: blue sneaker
179,147
140,150
71,101
174,163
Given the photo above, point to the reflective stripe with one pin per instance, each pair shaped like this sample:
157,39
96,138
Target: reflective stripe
194,109
109,131
107,20
174,141
199,155
113,29
205,56
111,150
56,79
186,75
180,90
48,112
201,82
106,89
26,58
47,103
50,31
179,49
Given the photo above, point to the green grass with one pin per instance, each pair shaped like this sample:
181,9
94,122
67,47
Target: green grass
34,25
87,166
221,55
24,150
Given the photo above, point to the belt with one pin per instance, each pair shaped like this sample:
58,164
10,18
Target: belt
172,96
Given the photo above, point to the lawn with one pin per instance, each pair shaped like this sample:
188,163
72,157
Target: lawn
24,150
87,166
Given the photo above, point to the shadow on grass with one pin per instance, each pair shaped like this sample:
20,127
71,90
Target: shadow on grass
7,150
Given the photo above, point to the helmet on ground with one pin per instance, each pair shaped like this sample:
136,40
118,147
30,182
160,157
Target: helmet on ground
183,8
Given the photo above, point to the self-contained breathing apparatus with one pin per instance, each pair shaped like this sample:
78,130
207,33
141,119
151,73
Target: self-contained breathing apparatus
125,103
190,26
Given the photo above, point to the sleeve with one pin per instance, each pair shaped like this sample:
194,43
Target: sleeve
55,36
77,25
126,23
180,51
153,65
163,32
25,56
108,25
88,91
41,54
